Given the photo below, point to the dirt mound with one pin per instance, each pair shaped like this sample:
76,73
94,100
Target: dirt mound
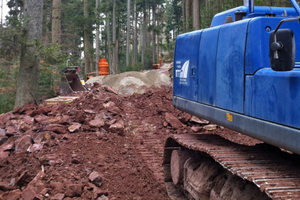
134,82
102,145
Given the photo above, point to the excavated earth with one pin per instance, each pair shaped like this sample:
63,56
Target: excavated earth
101,146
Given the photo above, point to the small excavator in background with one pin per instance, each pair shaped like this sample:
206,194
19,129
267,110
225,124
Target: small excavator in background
70,81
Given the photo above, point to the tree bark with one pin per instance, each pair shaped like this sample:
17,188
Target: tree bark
188,13
87,54
56,22
183,16
128,33
196,15
135,36
114,38
97,38
28,81
109,54
153,34
56,37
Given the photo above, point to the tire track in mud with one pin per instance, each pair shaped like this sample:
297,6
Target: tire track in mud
151,147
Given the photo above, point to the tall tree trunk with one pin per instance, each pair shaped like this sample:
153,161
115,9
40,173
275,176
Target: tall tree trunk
196,15
153,34
135,51
28,81
144,35
114,38
56,22
128,33
109,54
97,38
183,16
56,36
188,13
87,54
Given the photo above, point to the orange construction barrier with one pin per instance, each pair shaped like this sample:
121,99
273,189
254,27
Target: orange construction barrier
103,67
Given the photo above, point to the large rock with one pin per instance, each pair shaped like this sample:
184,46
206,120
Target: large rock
9,145
96,123
22,143
57,128
117,127
74,127
173,121
58,196
95,178
12,195
73,190
29,193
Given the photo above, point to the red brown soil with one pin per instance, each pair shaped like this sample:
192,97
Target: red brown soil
120,137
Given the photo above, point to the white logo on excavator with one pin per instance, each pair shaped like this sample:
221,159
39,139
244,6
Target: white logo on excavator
183,72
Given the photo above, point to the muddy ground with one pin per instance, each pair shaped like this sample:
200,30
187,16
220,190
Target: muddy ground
101,146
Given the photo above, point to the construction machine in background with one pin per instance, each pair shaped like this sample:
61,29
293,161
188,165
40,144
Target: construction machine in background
70,81
242,73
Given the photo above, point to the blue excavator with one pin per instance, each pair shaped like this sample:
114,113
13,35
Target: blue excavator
242,73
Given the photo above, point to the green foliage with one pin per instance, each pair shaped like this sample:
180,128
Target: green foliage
8,85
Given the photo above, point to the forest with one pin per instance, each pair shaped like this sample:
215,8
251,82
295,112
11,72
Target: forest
38,39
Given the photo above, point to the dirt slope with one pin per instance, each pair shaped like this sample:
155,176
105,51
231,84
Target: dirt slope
101,146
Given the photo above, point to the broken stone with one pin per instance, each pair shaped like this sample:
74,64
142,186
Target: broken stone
99,193
35,147
109,89
41,137
10,131
103,197
89,111
54,120
184,117
115,110
29,193
96,123
165,124
210,127
4,154
21,180
100,135
117,127
57,128
3,139
65,120
196,128
22,143
41,118
74,127
12,195
24,127
2,132
9,145
44,191
109,104
75,161
58,196
73,190
173,121
199,121
4,186
95,178
57,186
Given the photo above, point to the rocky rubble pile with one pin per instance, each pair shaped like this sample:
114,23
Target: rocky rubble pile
85,149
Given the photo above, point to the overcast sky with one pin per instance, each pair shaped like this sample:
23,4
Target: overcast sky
5,9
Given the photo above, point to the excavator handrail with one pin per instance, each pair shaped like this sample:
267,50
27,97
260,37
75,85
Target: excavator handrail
296,6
